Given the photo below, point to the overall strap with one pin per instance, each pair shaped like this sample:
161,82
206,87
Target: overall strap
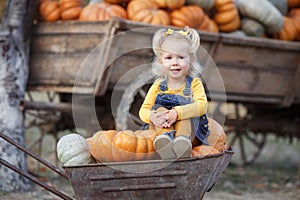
163,85
187,90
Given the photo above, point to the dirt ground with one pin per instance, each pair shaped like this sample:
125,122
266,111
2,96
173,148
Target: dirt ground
274,176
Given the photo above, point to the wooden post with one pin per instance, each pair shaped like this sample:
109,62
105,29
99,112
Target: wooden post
15,32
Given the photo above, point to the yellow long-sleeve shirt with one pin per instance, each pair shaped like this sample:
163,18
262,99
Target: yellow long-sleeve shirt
195,109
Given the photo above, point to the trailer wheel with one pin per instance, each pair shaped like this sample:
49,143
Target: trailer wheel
39,120
37,116
247,145
127,112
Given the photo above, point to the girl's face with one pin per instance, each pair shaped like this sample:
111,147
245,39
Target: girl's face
175,58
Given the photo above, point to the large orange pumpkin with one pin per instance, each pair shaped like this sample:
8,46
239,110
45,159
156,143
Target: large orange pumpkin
217,140
297,25
289,30
212,27
147,11
227,15
192,16
204,150
172,4
120,146
70,9
102,11
217,137
205,23
49,10
294,13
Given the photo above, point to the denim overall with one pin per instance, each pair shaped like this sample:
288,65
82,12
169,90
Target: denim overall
200,124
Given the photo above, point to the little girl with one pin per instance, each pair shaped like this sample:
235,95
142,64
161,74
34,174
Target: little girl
176,103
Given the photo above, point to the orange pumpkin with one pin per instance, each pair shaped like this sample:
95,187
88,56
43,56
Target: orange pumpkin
294,13
204,150
147,11
227,15
70,9
114,146
171,4
289,30
192,16
49,10
293,3
102,11
217,140
217,137
204,23
212,27
297,25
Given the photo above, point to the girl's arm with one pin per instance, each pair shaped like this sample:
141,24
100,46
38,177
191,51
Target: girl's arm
145,110
198,107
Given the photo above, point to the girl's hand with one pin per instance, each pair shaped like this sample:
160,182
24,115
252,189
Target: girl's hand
171,116
158,119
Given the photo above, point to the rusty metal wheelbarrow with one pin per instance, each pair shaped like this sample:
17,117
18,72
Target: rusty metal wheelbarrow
186,178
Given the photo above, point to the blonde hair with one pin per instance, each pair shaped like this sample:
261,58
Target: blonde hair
189,34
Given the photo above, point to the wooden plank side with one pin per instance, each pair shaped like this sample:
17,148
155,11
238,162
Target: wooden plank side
62,69
62,44
130,41
128,66
254,82
263,58
66,52
248,81
70,27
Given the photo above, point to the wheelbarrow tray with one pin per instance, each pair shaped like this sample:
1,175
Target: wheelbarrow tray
152,179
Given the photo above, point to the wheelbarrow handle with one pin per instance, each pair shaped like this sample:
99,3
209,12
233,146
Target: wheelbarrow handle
35,180
27,151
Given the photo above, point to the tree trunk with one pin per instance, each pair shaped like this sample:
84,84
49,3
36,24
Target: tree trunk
14,60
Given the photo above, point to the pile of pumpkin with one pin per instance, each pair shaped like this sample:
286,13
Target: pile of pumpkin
122,146
279,19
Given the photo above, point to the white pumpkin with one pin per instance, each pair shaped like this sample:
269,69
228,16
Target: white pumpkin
264,12
237,33
72,149
252,27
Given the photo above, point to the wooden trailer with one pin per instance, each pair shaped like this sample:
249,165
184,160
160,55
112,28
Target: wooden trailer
101,72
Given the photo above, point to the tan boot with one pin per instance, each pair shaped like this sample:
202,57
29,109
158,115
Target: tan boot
163,146
182,147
